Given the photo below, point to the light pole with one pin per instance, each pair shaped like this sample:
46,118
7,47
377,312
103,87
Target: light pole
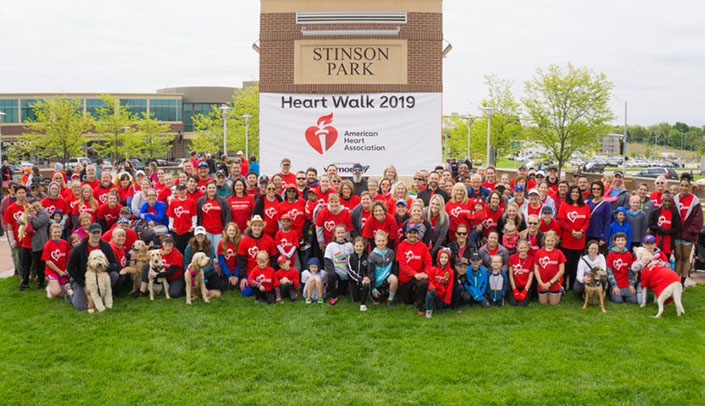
225,108
2,120
247,134
489,111
117,157
471,119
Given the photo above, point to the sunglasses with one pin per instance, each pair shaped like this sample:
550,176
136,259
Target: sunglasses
271,188
300,178
459,233
419,179
533,224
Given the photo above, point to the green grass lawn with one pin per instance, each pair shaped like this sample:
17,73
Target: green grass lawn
235,352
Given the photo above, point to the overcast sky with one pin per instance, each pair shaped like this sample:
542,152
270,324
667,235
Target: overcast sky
653,51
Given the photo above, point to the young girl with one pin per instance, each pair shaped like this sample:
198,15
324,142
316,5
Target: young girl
335,260
510,237
382,267
497,282
313,279
56,256
227,253
263,280
287,239
521,275
358,276
440,283
549,267
289,279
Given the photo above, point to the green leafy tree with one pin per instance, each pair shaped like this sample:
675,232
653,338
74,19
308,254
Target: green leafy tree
150,139
113,126
58,130
569,111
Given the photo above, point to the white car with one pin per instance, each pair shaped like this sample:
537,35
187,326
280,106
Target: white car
71,164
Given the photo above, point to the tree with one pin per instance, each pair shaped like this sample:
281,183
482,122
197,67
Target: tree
113,127
209,129
569,111
58,129
150,139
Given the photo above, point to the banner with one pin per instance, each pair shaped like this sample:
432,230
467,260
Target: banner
375,130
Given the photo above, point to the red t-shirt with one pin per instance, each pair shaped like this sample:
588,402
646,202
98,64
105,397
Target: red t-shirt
292,275
573,218
101,193
52,205
124,194
211,216
241,209
657,198
351,203
328,221
182,211
249,247
412,258
79,207
665,220
285,240
684,205
296,212
229,252
521,268
120,254
271,216
458,214
547,264
12,216
372,225
489,223
174,258
56,251
619,263
441,280
552,226
130,236
107,214
267,277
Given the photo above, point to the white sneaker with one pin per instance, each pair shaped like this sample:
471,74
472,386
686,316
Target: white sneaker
363,308
689,283
429,314
48,293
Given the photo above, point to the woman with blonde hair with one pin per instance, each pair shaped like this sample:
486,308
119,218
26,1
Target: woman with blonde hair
348,199
399,192
86,203
227,252
458,209
390,173
436,215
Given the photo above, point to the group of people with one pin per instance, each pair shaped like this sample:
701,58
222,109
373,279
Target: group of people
448,239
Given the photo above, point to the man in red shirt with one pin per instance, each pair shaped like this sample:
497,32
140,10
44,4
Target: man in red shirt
414,263
109,211
100,192
12,219
203,176
287,176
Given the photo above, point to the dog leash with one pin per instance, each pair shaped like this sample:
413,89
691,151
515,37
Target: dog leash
97,284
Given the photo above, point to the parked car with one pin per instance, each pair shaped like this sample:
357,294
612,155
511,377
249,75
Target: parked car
669,173
137,164
594,167
71,164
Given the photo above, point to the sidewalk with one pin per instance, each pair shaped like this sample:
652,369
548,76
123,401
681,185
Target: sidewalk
6,268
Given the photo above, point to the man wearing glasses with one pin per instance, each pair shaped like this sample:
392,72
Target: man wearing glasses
657,195
359,182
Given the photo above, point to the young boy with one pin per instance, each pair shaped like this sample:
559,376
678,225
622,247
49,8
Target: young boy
440,283
286,239
475,218
619,271
263,280
638,220
620,225
476,284
313,280
460,295
497,283
382,266
289,278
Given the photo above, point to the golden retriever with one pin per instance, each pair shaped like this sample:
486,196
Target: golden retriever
156,265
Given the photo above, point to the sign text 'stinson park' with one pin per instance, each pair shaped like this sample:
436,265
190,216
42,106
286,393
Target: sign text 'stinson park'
350,61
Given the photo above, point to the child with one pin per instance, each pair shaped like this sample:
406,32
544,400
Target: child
383,268
475,218
360,280
638,220
56,256
510,236
622,278
620,225
335,262
549,268
289,278
227,253
286,239
313,280
496,283
460,295
521,275
74,240
440,283
476,283
263,280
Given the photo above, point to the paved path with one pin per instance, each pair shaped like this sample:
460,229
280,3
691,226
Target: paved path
6,268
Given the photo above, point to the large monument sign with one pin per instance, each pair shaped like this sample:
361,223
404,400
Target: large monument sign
351,82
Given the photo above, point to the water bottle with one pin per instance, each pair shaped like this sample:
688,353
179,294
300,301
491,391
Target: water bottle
673,262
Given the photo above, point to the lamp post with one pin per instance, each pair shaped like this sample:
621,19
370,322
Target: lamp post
116,156
2,120
225,108
489,111
471,119
247,134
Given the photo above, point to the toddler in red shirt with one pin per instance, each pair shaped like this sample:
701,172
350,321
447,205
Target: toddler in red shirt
289,279
263,280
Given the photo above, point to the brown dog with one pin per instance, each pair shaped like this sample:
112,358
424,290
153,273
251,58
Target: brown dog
596,287
196,281
156,265
140,258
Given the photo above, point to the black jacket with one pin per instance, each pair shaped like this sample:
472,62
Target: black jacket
426,195
78,261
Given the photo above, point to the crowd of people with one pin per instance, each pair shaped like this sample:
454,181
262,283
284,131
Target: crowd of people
450,238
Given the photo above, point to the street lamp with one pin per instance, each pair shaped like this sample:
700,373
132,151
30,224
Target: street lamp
225,108
471,119
489,111
2,120
247,135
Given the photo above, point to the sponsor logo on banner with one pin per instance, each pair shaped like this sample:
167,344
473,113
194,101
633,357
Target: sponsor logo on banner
374,130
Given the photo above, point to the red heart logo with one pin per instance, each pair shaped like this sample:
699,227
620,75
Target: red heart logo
314,133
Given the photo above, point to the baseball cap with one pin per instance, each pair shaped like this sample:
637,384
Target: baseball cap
649,239
203,164
314,261
199,230
263,179
402,202
619,173
125,210
519,188
121,220
167,238
462,261
286,161
256,218
552,168
533,191
180,186
281,259
412,228
285,216
546,209
95,228
475,256
523,167
541,174
220,173
357,168
240,153
140,172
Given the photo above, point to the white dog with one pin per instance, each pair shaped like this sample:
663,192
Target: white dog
156,265
99,293
662,280
195,280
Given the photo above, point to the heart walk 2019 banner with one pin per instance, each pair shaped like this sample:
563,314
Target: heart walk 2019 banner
375,130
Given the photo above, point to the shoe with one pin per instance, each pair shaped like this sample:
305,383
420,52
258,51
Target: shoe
136,295
333,301
293,296
23,288
308,300
320,301
363,308
429,314
48,292
257,301
68,292
420,313
391,303
458,311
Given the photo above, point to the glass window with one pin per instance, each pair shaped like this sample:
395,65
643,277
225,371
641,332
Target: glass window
9,107
137,106
92,106
27,110
191,110
165,110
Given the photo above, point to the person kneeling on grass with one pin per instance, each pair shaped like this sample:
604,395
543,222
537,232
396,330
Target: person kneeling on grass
619,271
56,257
358,273
414,263
497,282
288,278
476,283
460,295
263,280
313,280
335,261
440,283
382,270
521,274
549,267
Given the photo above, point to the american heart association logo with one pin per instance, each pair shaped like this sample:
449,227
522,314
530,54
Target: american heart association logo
207,207
487,223
252,251
271,212
56,255
456,211
179,211
572,216
314,133
618,264
544,261
51,210
329,225
229,253
294,213
662,220
103,198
